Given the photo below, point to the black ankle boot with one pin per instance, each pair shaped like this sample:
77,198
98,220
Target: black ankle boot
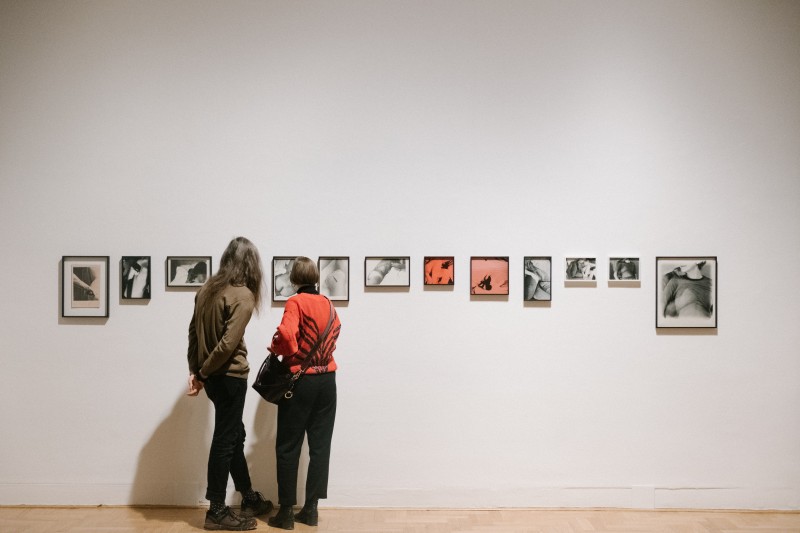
284,519
308,514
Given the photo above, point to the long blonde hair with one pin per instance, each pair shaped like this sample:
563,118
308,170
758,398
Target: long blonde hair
241,266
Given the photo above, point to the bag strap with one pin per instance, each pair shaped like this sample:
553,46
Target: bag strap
312,352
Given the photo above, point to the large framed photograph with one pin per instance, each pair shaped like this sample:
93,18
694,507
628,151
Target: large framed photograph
686,292
134,277
334,277
580,269
84,286
488,275
439,270
538,272
623,269
387,271
188,271
282,288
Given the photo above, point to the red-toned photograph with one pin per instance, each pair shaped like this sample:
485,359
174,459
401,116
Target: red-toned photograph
439,270
488,275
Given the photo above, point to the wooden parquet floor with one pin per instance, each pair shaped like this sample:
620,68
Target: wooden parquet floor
180,520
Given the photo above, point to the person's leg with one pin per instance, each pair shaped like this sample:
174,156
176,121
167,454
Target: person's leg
292,416
227,444
320,433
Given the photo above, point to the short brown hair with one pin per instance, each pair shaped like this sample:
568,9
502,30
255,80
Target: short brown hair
304,272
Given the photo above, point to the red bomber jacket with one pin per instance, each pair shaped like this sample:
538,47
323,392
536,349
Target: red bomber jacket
304,320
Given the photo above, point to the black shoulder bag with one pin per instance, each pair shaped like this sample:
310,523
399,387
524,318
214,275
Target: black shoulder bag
274,381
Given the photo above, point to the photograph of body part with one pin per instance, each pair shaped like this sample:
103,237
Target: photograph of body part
387,272
439,271
623,269
334,277
686,292
488,275
135,277
84,286
537,275
185,271
282,287
581,268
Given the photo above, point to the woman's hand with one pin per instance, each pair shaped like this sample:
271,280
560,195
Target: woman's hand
195,385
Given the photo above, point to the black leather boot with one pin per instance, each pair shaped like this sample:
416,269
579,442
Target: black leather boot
284,519
308,514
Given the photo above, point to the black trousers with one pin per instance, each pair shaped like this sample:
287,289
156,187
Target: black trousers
227,446
311,411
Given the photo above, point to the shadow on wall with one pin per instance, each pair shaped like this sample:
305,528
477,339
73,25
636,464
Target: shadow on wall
172,465
260,448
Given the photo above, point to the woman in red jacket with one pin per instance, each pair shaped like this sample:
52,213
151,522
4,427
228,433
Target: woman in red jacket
312,409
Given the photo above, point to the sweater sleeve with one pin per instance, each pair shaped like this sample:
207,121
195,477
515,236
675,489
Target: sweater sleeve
191,353
239,315
284,342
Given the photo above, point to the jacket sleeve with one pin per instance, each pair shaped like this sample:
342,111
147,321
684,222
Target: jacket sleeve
191,353
239,315
284,342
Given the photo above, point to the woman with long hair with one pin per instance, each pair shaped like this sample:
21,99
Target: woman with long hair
217,359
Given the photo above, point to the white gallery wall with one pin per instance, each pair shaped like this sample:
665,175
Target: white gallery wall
436,127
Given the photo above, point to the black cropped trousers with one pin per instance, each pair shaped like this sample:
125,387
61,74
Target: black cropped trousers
311,411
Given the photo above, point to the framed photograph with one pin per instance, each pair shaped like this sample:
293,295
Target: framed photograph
538,272
623,269
134,277
580,269
84,286
439,270
334,277
387,271
282,288
488,275
188,271
686,292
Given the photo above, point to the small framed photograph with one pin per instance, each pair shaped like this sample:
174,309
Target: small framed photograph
282,288
488,275
334,277
387,271
439,270
188,271
580,269
686,292
84,286
623,269
538,272
134,277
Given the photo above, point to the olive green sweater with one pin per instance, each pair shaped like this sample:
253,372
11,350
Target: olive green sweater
216,335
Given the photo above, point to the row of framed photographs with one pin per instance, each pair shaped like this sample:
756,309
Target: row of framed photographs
686,288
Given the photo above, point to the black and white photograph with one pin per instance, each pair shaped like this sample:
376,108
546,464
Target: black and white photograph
135,277
580,269
282,288
334,277
623,269
686,292
537,276
84,286
188,271
387,271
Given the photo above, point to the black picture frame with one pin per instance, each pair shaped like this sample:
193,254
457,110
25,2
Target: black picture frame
188,270
686,292
334,277
439,270
387,271
84,286
135,277
537,278
489,276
